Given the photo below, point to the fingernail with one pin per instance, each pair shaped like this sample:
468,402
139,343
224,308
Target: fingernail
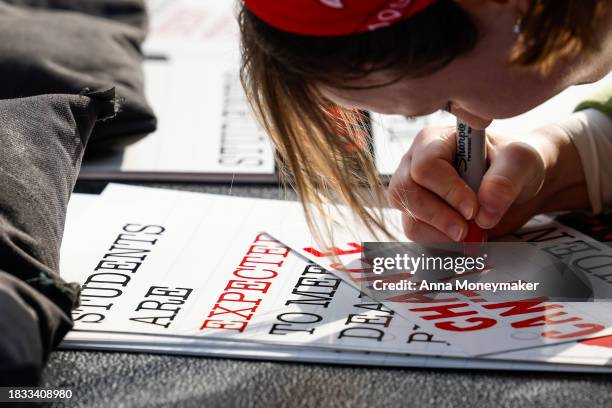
455,232
487,217
467,210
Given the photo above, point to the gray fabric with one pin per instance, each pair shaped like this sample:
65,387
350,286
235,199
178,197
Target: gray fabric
21,349
50,52
42,140
101,380
48,47
130,12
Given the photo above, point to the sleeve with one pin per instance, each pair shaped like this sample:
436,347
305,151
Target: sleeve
591,132
601,101
42,139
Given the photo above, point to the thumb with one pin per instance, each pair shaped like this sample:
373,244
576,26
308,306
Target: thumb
516,175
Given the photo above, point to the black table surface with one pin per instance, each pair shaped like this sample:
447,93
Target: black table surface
111,379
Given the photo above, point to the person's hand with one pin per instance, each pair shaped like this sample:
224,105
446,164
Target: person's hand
527,175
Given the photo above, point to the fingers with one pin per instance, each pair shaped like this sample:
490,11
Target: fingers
516,175
421,232
427,216
435,201
433,169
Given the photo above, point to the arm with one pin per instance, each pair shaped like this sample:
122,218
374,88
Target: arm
590,130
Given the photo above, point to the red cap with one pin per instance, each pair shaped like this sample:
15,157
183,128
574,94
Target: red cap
334,17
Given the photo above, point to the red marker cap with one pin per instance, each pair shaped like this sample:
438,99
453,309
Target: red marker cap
475,233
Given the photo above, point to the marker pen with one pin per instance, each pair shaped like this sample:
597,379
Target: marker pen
471,163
